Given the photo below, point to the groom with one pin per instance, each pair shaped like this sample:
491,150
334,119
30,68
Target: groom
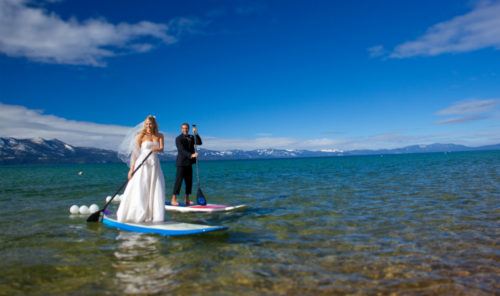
186,156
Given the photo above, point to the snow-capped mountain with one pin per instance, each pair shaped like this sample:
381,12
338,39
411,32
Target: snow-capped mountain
262,153
38,150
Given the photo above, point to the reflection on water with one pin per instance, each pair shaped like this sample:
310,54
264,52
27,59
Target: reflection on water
140,268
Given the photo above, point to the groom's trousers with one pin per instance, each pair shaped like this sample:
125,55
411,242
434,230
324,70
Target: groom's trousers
183,173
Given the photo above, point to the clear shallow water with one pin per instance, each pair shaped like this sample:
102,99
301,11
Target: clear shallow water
406,224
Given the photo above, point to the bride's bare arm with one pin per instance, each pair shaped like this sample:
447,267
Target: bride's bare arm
160,140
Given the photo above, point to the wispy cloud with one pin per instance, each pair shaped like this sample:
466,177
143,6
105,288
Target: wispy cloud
473,111
476,106
43,36
463,119
475,30
376,51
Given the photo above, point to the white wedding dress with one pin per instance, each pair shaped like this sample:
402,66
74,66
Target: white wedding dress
144,197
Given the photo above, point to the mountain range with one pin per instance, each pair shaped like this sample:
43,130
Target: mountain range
41,151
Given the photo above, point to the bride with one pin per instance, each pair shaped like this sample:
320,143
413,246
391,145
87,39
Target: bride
144,197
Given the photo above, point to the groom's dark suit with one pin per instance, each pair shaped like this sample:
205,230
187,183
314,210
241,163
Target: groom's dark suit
185,148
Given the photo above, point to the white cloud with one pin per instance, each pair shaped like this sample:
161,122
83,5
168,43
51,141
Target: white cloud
43,36
21,122
475,30
476,106
474,110
462,119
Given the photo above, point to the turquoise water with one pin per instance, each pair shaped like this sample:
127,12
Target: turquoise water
405,224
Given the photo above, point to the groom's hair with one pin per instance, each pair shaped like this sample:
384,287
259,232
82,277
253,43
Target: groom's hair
185,123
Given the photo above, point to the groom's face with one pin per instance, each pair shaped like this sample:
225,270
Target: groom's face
185,129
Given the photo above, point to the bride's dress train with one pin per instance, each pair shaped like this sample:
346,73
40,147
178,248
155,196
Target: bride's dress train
144,197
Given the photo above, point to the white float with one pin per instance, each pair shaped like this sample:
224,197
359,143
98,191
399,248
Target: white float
93,208
74,209
84,210
117,198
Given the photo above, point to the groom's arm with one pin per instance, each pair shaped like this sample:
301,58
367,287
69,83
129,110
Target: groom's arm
197,140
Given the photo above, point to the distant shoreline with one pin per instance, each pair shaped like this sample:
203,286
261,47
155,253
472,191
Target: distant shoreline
172,162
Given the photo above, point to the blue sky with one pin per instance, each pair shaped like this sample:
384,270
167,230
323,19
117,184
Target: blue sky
314,75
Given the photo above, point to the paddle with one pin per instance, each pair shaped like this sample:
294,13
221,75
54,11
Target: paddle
95,216
200,198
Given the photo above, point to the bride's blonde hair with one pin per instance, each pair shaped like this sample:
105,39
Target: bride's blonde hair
155,126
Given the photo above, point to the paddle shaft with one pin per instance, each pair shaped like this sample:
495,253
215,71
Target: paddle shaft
92,218
197,171
200,198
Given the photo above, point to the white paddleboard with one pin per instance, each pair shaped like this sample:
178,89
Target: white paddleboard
164,228
209,208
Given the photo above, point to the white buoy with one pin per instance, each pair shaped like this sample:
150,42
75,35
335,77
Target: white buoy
93,208
80,173
84,210
74,209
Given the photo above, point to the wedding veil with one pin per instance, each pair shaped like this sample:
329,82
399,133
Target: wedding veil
129,149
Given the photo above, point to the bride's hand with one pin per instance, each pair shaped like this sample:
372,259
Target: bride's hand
130,174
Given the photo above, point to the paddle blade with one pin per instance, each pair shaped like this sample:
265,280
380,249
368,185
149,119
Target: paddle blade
94,217
200,198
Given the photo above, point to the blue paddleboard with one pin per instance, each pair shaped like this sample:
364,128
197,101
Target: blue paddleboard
164,228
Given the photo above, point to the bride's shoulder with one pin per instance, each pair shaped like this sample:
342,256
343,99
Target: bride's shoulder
160,135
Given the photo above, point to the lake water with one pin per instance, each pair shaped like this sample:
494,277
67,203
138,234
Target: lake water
403,224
